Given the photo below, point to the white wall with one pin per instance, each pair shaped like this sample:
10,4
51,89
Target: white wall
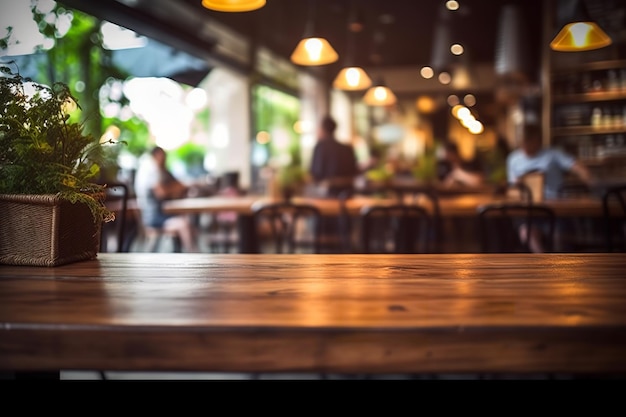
229,125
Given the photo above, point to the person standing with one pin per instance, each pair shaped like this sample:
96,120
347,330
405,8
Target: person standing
334,164
154,184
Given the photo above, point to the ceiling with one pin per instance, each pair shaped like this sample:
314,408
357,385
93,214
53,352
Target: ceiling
395,33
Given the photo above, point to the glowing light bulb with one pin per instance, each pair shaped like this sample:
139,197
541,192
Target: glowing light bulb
353,77
313,48
380,93
580,33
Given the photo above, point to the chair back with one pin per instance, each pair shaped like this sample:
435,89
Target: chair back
499,226
287,227
397,228
614,213
116,192
428,198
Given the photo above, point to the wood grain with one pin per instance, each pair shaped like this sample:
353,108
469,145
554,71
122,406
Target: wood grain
318,313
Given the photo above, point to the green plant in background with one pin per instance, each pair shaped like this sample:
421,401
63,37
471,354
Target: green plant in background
191,155
426,167
293,175
41,150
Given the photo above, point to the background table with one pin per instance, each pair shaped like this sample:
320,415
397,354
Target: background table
374,314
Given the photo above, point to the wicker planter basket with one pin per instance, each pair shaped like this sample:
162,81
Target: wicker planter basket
45,230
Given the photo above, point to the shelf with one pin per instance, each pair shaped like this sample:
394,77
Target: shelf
589,97
603,161
587,130
591,66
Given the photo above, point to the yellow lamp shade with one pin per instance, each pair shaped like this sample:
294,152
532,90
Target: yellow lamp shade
352,79
233,5
314,51
580,36
379,96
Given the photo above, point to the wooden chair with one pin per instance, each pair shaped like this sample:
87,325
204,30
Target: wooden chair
429,199
615,218
116,192
287,227
498,226
397,228
517,192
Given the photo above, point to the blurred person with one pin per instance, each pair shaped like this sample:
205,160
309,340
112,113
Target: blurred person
553,164
154,184
334,164
457,171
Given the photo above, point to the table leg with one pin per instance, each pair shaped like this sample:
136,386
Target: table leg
247,234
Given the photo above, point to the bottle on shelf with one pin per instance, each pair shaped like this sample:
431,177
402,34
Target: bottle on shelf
596,117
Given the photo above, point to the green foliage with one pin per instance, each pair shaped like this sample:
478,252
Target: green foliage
426,168
41,151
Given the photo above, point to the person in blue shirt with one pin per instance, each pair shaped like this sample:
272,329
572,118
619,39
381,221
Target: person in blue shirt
553,163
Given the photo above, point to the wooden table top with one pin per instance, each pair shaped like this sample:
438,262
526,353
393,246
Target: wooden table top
450,206
458,313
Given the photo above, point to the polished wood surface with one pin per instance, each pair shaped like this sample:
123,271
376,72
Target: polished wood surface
510,313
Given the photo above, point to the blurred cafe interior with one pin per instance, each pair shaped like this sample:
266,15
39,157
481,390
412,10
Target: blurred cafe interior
228,96
488,137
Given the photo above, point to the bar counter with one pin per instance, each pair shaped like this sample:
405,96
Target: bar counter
366,314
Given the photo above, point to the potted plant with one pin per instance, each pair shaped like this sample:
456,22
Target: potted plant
51,203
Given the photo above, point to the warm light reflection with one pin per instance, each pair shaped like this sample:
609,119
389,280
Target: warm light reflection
476,127
452,5
469,100
425,104
457,49
427,72
445,78
453,100
456,109
302,127
263,138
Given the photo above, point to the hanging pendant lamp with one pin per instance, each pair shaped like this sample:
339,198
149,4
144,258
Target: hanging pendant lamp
233,5
579,32
512,56
442,59
380,95
313,50
352,77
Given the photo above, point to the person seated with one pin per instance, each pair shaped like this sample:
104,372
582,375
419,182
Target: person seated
154,184
553,164
457,171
